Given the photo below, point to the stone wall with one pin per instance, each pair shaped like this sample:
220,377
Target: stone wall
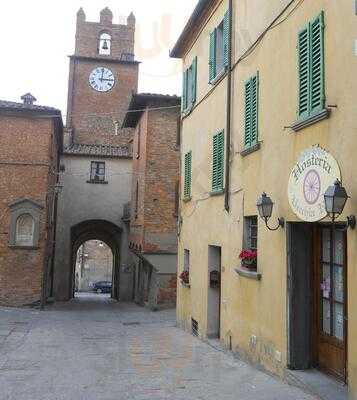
90,202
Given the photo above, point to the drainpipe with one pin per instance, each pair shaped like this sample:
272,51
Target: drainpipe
52,271
228,111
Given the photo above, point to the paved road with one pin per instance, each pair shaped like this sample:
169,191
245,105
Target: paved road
95,349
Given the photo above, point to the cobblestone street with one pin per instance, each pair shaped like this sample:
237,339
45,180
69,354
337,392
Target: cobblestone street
93,348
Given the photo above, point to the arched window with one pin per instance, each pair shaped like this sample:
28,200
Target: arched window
105,44
25,228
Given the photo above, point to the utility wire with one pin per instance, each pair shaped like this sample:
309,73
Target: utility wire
272,26
100,114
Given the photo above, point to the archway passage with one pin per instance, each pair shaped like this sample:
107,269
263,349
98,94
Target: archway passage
102,232
94,268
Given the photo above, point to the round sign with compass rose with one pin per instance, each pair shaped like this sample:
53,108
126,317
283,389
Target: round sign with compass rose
312,187
313,173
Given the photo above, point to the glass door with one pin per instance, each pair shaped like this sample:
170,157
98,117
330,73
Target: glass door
332,303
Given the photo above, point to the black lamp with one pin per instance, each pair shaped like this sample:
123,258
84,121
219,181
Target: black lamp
335,201
265,209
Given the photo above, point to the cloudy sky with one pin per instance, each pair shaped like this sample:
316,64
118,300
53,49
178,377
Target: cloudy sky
38,35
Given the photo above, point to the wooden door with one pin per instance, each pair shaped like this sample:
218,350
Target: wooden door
331,310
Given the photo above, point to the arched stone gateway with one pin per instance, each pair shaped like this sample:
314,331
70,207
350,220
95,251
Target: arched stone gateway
104,231
82,232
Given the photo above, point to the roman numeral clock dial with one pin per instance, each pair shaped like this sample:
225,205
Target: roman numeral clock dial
102,79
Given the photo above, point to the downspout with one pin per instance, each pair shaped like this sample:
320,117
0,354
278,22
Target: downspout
55,219
229,111
53,246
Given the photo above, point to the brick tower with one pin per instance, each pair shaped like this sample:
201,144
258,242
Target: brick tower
102,77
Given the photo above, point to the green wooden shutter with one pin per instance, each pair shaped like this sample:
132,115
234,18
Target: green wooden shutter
215,163
248,114
254,87
304,71
184,91
251,111
317,83
311,68
194,80
218,162
212,55
226,41
188,174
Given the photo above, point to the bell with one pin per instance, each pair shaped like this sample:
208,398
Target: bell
105,45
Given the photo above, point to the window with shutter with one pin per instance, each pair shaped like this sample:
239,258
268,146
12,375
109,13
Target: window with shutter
317,64
303,48
226,41
218,162
189,90
311,68
187,175
194,81
251,111
184,91
219,49
212,56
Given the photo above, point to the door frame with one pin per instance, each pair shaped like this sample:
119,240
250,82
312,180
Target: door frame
302,350
317,238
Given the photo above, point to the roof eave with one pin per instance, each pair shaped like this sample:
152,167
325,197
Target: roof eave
198,12
140,101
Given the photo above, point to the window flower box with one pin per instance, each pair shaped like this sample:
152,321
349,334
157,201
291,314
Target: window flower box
249,259
185,278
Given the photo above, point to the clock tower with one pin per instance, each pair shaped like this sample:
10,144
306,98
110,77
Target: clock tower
102,77
96,164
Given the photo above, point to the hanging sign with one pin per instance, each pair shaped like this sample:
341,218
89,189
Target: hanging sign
313,173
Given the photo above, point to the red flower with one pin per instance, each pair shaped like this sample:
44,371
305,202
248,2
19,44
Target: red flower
185,277
248,255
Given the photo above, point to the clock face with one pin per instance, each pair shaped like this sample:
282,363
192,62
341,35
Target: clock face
102,79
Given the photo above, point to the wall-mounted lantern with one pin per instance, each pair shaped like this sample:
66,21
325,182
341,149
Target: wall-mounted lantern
265,209
335,201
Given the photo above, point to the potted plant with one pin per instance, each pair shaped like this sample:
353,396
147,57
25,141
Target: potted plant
185,278
249,258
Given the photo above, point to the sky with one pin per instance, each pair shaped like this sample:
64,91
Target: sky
38,36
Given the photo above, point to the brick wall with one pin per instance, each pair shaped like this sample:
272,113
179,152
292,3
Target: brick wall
156,169
87,35
28,157
162,174
137,227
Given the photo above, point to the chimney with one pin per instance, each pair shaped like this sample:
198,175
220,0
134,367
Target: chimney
28,99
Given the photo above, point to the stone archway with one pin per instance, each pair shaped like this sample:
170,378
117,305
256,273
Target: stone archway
104,231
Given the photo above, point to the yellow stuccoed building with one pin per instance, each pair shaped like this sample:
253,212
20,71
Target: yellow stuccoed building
269,105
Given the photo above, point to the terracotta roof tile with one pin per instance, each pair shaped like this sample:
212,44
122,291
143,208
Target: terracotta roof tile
13,106
98,150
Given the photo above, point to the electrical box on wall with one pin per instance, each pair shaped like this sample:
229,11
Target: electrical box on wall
214,279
